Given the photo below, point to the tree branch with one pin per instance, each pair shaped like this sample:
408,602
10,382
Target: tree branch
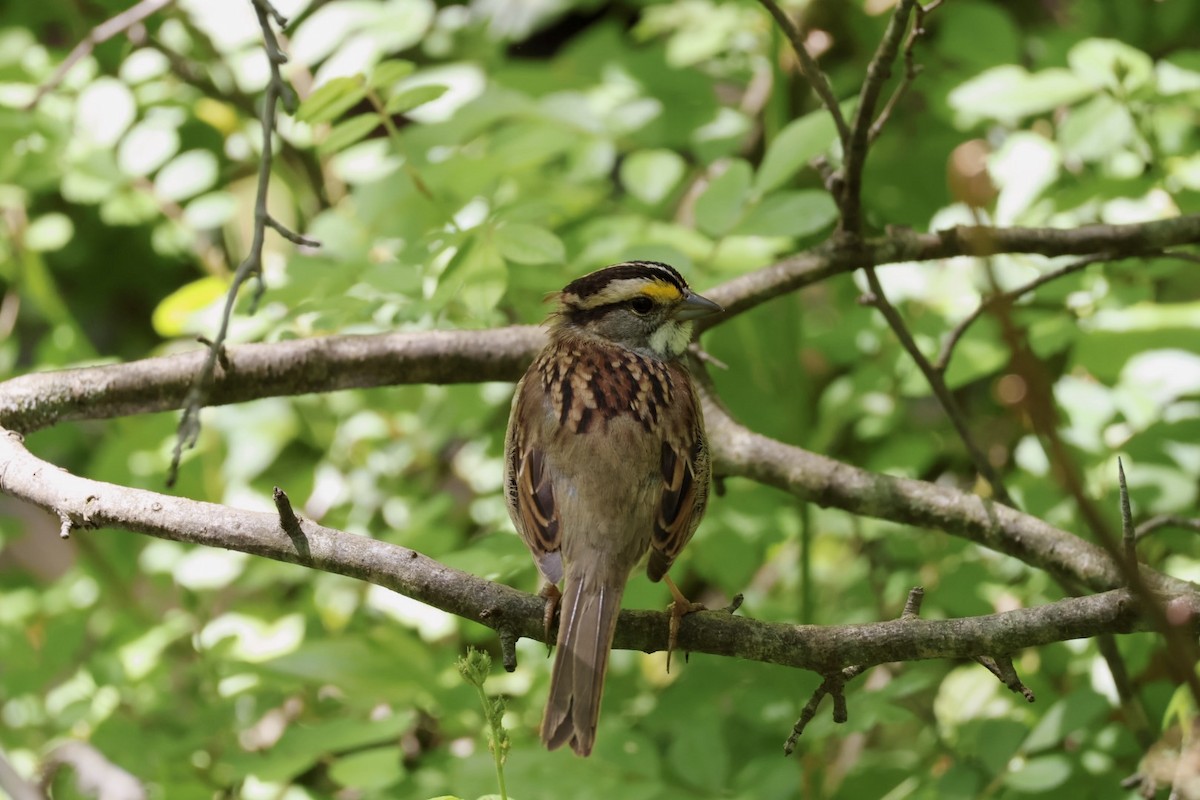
822,649
943,359
937,384
858,145
812,73
911,69
253,371
739,451
130,17
747,291
17,787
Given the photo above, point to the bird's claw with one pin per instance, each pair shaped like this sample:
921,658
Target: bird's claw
680,607
552,596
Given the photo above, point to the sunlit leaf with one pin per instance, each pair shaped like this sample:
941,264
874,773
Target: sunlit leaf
332,99
388,72
174,314
408,99
1009,93
49,232
1110,64
187,175
347,133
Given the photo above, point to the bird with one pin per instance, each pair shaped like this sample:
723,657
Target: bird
606,463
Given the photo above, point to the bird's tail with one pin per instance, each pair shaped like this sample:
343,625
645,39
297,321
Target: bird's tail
588,617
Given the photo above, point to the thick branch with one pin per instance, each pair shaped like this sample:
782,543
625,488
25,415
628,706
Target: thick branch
747,291
823,649
739,451
293,367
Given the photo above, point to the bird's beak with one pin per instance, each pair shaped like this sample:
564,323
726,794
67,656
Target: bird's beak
694,306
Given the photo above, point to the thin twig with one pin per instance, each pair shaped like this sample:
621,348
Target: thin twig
937,383
1002,667
1181,255
911,69
106,30
835,682
251,266
809,68
942,362
858,144
1166,521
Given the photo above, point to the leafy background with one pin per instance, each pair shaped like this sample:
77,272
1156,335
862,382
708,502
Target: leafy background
457,162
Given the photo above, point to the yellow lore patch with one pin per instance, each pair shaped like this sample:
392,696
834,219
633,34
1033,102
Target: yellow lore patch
661,290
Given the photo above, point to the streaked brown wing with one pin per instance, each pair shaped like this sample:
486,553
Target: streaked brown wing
685,473
530,495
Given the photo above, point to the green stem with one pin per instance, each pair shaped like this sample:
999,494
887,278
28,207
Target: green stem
494,738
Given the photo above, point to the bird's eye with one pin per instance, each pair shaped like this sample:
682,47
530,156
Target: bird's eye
641,305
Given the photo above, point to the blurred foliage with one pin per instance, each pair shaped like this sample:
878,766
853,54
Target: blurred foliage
457,162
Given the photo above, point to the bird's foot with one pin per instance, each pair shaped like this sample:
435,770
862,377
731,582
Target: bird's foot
680,607
552,596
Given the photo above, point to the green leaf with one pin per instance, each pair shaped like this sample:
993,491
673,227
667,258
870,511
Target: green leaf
798,143
1181,709
387,73
1040,774
1009,93
650,175
49,232
528,244
332,100
975,356
1096,130
789,214
347,133
1110,64
173,314
187,175
1074,712
412,97
377,768
720,207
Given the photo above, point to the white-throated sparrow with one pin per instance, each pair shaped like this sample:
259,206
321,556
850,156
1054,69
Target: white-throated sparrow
605,461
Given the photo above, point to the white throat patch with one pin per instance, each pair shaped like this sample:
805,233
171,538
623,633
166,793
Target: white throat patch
672,338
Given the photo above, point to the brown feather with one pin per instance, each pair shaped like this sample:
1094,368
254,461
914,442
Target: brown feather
588,619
